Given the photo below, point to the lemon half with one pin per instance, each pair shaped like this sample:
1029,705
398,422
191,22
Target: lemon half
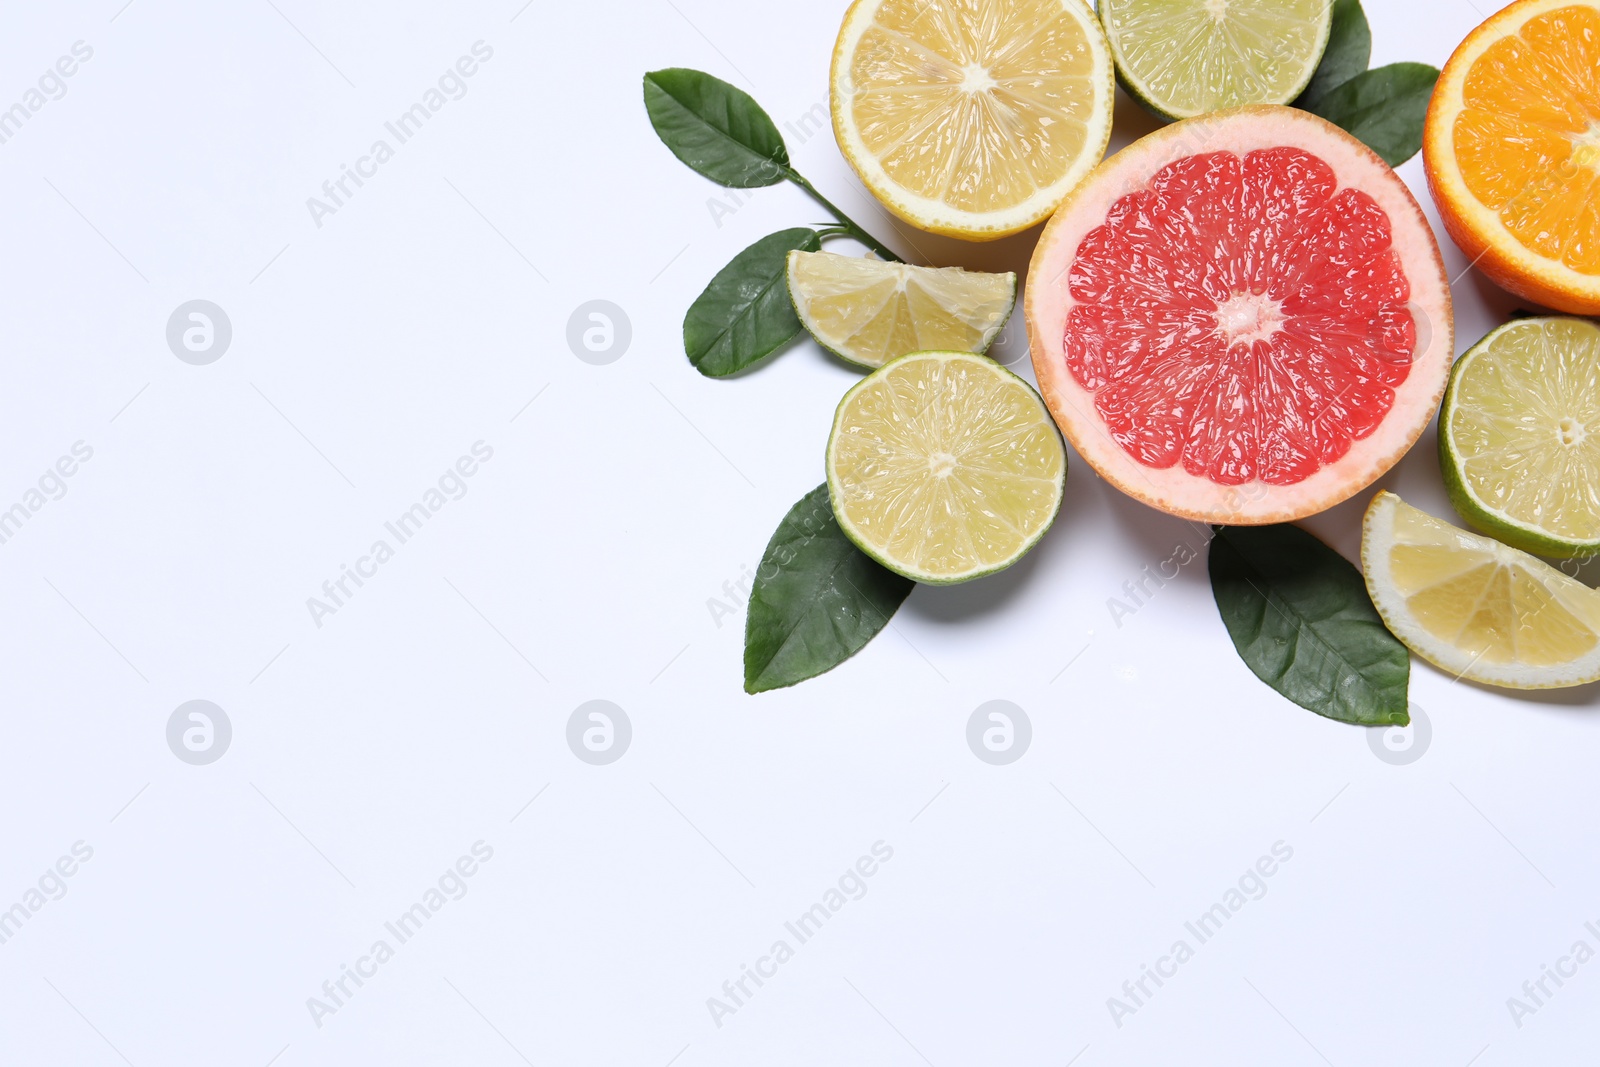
972,118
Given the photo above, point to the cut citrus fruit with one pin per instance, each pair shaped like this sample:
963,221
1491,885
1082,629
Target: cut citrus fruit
944,466
868,311
1512,151
971,118
1475,607
1182,58
1242,334
1519,436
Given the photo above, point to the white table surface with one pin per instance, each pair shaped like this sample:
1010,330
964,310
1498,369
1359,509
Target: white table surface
370,752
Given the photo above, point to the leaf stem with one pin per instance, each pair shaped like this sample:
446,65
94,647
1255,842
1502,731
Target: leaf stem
847,224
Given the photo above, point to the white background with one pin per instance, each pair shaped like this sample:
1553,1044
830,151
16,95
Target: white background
370,753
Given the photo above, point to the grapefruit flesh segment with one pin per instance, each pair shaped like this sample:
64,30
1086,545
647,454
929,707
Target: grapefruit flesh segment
1242,318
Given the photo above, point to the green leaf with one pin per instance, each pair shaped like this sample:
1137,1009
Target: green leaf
745,314
716,129
816,600
1384,108
1300,616
1348,52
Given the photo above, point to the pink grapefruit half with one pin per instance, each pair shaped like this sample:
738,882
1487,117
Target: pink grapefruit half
1241,318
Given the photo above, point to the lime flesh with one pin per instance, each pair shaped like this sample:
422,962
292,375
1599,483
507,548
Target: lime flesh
1519,436
868,311
944,466
1182,58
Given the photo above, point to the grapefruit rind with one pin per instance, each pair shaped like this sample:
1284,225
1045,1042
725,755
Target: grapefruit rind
1578,603
1476,229
1172,489
837,488
1469,504
936,216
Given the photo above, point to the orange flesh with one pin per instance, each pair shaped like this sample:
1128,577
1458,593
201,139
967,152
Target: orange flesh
1527,140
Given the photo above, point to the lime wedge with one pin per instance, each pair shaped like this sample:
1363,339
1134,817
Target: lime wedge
944,466
1475,607
1519,436
868,311
1182,58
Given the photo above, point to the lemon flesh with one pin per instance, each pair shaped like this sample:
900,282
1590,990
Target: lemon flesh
972,118
1519,436
869,312
944,466
1182,58
1477,608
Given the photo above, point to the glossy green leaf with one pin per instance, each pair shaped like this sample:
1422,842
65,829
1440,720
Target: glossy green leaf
745,314
715,128
1384,108
1300,616
1348,53
816,599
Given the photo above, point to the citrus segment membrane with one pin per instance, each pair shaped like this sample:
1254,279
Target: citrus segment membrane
1242,316
868,311
1522,431
971,117
1474,606
1527,138
1189,57
944,466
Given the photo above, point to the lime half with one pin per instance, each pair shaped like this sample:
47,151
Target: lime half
944,466
868,311
1519,436
1182,58
1475,607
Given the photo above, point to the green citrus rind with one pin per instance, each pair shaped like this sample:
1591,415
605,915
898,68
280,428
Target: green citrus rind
835,492
1478,514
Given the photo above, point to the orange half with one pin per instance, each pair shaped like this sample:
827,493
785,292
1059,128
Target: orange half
1512,151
